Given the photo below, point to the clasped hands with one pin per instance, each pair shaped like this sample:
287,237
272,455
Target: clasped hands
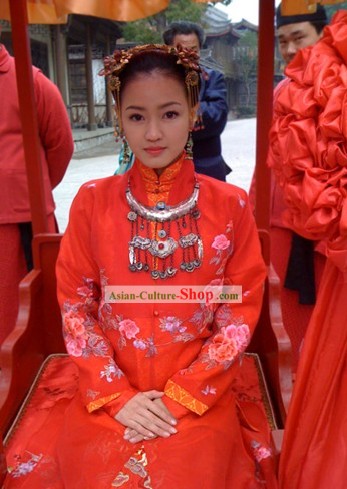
145,417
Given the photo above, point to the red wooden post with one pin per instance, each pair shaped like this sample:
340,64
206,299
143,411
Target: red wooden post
264,112
21,46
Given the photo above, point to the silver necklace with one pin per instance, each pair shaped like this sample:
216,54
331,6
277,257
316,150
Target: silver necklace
159,251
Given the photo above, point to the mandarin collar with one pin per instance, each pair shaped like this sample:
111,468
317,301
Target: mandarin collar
163,181
178,179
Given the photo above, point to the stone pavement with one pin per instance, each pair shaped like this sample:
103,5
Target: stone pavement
238,141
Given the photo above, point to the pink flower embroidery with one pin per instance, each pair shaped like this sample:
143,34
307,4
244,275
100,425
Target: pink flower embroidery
220,242
73,324
260,451
239,334
74,346
209,390
229,343
75,333
140,344
172,324
129,328
222,349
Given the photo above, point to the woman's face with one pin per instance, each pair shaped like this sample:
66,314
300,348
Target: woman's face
156,118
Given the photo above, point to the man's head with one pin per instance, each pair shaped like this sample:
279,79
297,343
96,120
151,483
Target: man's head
187,34
299,31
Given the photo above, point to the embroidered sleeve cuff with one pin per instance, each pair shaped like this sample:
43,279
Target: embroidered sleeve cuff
98,403
116,404
111,404
176,393
176,409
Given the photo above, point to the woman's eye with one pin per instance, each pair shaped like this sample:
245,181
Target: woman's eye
171,114
136,117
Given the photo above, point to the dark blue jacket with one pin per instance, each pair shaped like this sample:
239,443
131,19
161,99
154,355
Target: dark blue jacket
207,150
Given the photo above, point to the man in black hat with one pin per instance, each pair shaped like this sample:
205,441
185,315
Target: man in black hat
299,31
295,259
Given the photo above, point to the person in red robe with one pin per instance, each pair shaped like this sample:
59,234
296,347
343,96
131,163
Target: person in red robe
297,261
155,407
56,148
309,156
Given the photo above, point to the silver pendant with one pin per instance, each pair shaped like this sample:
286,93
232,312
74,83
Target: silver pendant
190,266
163,249
200,249
188,240
140,242
168,272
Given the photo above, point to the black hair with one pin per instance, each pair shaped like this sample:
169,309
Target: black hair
183,27
152,61
319,26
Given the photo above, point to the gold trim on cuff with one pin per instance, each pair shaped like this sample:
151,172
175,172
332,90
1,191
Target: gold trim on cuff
94,405
177,393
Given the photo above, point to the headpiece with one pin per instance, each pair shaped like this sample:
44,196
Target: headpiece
318,14
118,61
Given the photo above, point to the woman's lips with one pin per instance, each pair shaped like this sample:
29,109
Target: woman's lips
155,150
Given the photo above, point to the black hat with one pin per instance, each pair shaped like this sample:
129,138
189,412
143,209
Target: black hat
318,16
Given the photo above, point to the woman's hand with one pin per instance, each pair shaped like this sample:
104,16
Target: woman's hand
147,417
134,437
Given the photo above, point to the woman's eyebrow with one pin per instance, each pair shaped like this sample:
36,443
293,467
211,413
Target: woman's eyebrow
163,106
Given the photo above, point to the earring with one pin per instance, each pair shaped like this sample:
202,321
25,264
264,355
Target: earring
189,147
117,132
127,153
126,158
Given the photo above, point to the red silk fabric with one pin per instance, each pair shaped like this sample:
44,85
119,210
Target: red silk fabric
308,149
308,152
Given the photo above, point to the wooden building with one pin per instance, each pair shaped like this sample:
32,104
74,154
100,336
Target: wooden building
71,56
224,50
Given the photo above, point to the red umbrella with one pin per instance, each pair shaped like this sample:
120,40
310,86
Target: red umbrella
56,11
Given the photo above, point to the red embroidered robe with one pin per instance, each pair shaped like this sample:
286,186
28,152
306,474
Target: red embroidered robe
190,351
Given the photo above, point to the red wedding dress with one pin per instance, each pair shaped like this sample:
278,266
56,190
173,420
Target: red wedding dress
309,155
190,351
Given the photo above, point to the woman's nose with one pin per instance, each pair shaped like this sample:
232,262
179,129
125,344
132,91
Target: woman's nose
153,131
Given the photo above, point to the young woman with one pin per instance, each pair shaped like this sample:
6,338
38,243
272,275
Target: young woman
155,406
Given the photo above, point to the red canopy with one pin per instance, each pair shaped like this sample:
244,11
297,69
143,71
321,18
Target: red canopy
56,11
